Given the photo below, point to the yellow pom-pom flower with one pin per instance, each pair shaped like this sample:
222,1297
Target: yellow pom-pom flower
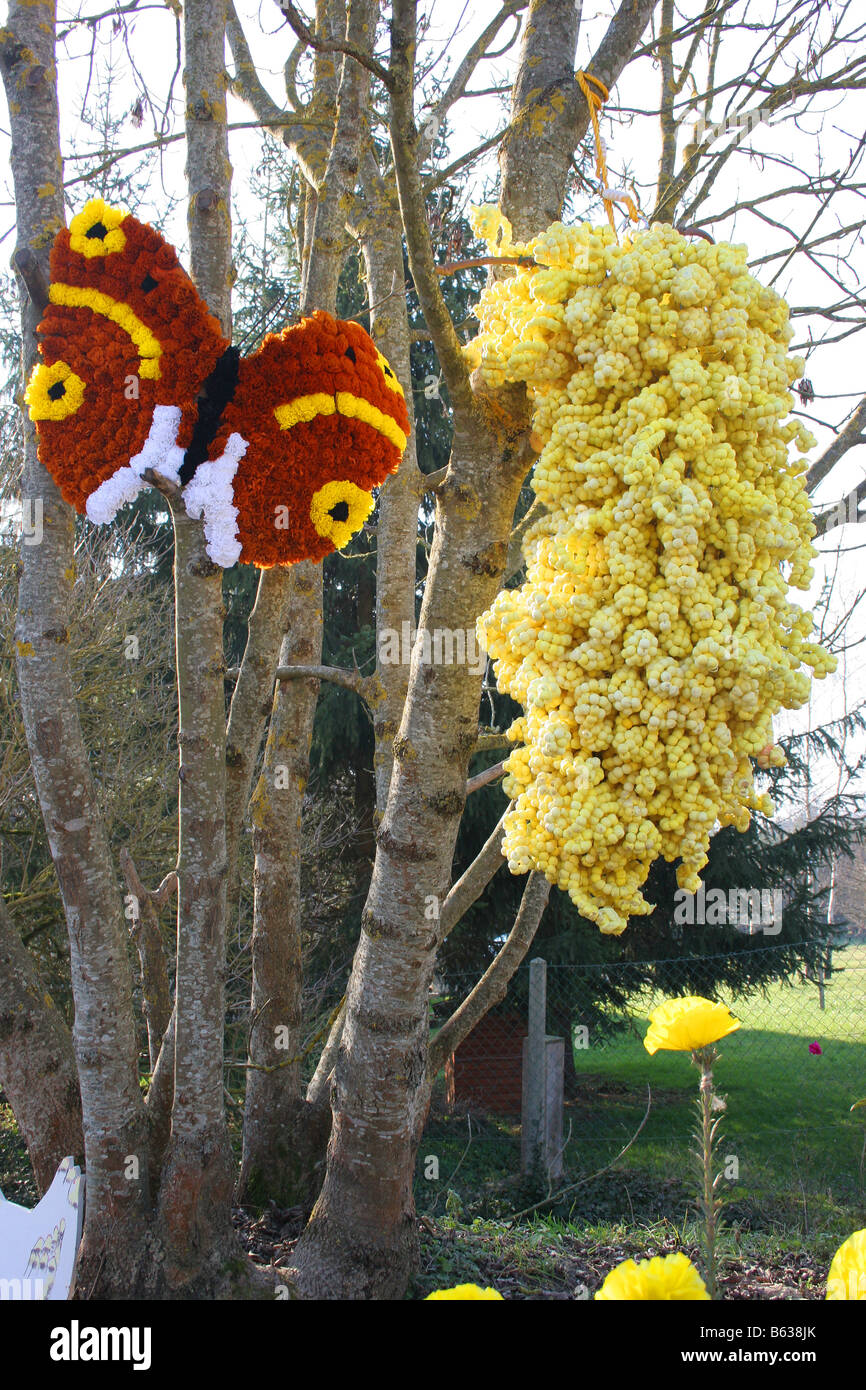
847,1277
95,231
338,510
688,1024
668,1278
54,392
464,1292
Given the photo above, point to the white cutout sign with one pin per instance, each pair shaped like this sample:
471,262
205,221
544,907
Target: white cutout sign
38,1246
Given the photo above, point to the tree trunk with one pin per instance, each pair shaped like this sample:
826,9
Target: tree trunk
201,1255
276,1162
284,1136
104,1035
397,529
361,1240
198,1172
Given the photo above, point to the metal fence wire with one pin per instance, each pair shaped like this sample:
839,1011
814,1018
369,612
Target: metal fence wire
788,1075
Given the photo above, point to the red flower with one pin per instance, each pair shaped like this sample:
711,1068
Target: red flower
815,1049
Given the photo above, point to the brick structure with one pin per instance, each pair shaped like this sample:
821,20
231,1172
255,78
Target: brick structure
486,1071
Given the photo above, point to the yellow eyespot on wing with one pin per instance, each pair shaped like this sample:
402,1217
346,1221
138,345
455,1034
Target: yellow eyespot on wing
95,231
352,506
358,409
305,408
149,348
390,375
54,392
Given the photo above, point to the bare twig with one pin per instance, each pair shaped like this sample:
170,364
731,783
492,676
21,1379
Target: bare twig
492,986
581,1182
145,932
483,779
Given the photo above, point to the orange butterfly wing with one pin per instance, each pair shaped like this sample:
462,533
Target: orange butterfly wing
279,452
126,342
316,422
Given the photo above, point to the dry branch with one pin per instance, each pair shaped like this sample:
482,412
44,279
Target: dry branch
145,932
492,986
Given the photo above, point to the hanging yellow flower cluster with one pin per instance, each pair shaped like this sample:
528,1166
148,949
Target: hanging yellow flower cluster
653,639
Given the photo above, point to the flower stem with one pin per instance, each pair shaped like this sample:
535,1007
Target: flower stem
704,1059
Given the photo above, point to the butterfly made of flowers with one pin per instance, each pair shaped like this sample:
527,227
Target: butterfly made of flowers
278,452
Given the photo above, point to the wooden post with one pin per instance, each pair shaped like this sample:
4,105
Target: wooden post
543,1079
534,1088
554,1096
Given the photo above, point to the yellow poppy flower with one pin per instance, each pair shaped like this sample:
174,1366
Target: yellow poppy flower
338,510
665,1277
53,392
95,231
687,1024
847,1277
465,1292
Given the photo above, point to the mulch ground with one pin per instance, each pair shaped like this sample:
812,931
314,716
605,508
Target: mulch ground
568,1269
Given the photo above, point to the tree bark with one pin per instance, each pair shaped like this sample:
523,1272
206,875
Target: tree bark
249,709
145,932
104,1037
397,527
276,1162
200,1252
284,1136
549,112
360,1242
361,1239
198,1173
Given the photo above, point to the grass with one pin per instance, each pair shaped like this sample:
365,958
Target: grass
788,1124
545,1257
800,1189
793,1149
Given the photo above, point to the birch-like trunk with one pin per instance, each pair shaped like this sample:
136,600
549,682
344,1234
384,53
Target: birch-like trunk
361,1239
113,1112
200,1251
280,1153
399,498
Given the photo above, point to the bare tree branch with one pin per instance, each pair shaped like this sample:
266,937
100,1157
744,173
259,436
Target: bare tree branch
322,45
473,880
846,439
493,985
483,779
404,147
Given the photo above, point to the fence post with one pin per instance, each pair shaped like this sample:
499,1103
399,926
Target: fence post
534,1087
541,1120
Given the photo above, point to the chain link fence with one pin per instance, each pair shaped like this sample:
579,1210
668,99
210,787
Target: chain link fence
788,1077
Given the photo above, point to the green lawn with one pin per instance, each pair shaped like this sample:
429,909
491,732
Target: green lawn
799,1150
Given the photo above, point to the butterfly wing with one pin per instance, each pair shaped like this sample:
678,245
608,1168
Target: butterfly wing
317,421
126,343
